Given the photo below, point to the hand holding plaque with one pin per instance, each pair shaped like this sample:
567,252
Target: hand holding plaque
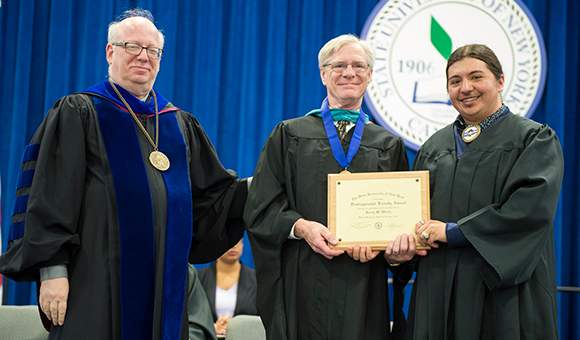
373,208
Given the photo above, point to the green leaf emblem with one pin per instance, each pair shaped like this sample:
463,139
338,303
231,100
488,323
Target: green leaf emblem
440,39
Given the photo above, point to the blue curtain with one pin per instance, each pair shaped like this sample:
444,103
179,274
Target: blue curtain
241,67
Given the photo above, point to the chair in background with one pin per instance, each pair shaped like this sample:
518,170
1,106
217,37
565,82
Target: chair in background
22,323
246,327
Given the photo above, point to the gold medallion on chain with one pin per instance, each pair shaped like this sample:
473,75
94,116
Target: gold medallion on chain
157,158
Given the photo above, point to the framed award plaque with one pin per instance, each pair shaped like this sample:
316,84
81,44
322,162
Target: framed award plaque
373,208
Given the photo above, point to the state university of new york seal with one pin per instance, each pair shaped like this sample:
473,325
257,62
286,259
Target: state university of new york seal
413,40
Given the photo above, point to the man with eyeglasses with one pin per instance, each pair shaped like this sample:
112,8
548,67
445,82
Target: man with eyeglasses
119,189
306,290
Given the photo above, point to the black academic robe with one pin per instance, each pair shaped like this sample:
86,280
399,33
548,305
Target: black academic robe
301,294
503,193
72,212
246,295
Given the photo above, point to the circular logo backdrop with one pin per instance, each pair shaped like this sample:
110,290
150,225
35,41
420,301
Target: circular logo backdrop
413,40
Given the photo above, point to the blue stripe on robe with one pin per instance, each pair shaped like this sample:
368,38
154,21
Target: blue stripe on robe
137,260
135,213
179,224
24,179
30,153
19,204
16,231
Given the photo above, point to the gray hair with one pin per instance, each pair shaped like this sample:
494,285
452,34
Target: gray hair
335,44
131,13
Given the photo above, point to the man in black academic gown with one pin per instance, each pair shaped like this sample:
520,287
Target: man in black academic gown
305,289
110,188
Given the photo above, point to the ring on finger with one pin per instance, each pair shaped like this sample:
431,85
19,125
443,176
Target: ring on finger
425,235
395,253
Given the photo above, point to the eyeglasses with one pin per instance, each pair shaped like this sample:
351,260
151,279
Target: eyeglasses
134,49
341,66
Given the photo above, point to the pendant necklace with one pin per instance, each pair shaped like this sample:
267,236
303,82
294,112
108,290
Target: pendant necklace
157,158
470,133
334,141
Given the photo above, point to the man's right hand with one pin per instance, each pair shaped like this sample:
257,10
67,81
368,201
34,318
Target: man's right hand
317,236
53,298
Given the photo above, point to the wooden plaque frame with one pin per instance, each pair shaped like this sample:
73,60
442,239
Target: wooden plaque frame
373,208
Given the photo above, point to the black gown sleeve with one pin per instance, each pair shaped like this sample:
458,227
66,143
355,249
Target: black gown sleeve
55,195
269,215
218,198
527,205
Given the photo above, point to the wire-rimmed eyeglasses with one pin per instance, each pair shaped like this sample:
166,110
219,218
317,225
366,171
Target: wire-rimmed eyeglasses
341,66
135,49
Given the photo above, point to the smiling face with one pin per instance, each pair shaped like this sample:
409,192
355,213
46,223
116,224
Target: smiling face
345,90
473,89
135,73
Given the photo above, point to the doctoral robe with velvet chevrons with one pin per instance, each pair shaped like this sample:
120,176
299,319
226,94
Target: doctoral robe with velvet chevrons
89,198
502,192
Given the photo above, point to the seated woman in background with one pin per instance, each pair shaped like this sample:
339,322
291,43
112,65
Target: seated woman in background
230,288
